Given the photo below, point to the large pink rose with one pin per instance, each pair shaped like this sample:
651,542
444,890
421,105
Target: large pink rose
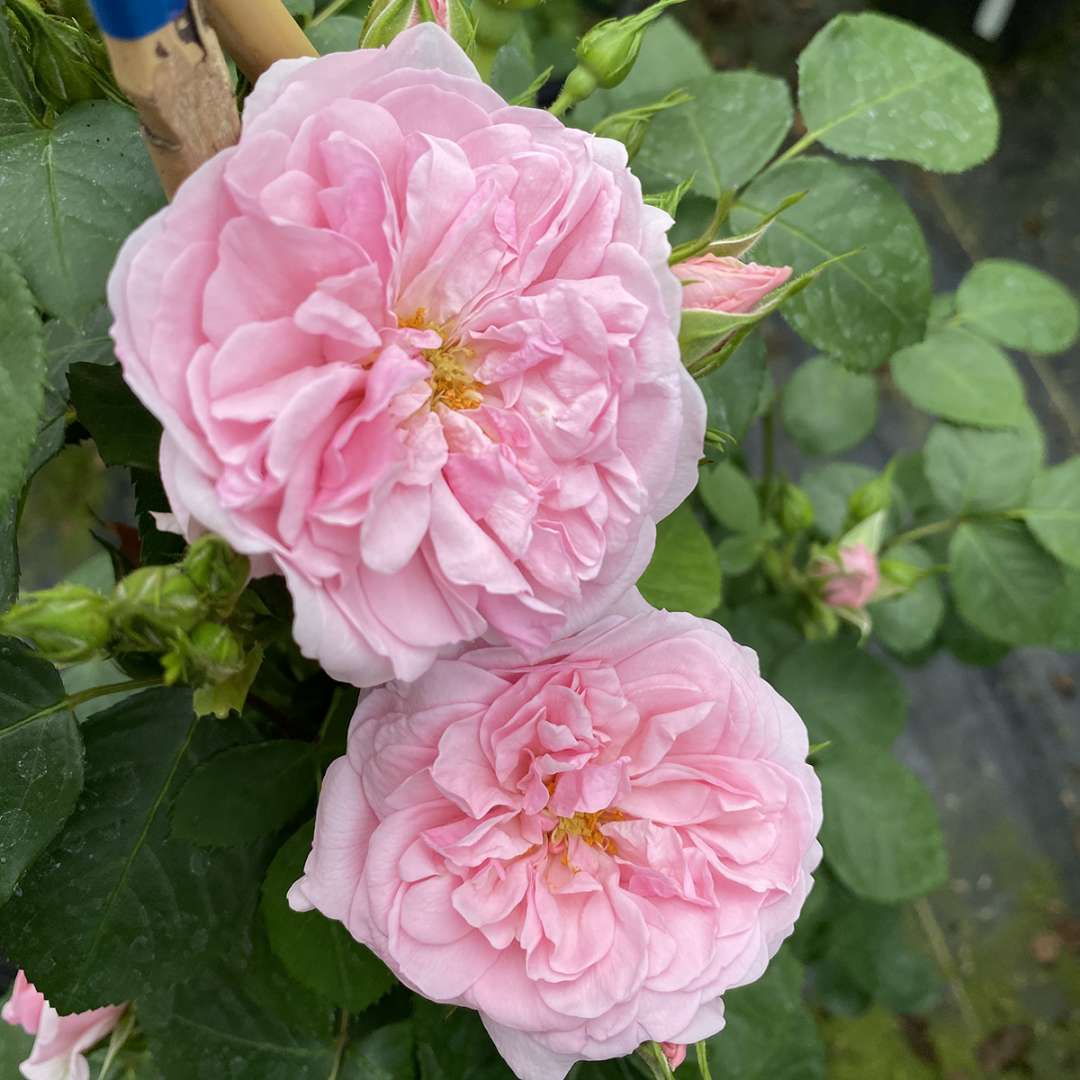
589,850
60,1041
415,349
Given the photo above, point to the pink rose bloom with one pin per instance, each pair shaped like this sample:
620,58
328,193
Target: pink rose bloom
854,581
727,284
589,850
414,349
675,1054
60,1040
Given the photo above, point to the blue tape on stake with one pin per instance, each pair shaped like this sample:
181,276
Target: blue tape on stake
135,18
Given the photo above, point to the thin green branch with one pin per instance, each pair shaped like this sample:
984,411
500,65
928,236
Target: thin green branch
703,1059
331,9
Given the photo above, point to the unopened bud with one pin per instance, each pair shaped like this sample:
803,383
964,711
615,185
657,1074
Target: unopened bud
151,604
67,623
630,127
210,654
218,573
873,496
608,50
902,574
796,509
387,18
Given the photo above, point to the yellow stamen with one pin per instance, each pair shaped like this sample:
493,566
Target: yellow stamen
451,382
586,827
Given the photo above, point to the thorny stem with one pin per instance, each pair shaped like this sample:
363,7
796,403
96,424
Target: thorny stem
655,1060
339,1046
73,700
331,9
703,1060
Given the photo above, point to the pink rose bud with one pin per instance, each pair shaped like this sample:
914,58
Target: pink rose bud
60,1041
854,581
589,848
675,1054
727,284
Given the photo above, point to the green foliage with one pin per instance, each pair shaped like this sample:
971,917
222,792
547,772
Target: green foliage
734,392
246,792
124,432
1005,585
147,855
874,87
828,409
730,128
873,302
1052,512
22,377
117,907
684,574
769,1033
908,622
960,377
881,828
1018,306
72,193
971,470
41,759
318,953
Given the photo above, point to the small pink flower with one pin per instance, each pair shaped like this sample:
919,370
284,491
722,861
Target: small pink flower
415,350
675,1054
853,583
60,1040
727,284
589,850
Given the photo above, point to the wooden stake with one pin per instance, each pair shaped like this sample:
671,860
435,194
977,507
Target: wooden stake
178,80
255,33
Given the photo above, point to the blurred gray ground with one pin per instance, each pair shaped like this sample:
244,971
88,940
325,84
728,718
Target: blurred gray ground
999,747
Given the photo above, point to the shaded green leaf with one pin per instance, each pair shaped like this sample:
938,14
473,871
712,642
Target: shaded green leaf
1005,585
729,495
1019,306
451,1044
20,105
960,377
843,694
1053,511
908,622
877,299
22,376
733,391
41,760
72,193
769,1033
341,33
116,907
724,135
881,833
684,574
827,408
124,432
971,470
875,87
830,487
315,950
245,792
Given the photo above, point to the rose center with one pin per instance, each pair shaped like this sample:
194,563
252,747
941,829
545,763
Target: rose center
587,827
452,383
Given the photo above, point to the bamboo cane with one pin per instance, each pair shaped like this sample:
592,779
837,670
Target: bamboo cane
255,33
177,79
